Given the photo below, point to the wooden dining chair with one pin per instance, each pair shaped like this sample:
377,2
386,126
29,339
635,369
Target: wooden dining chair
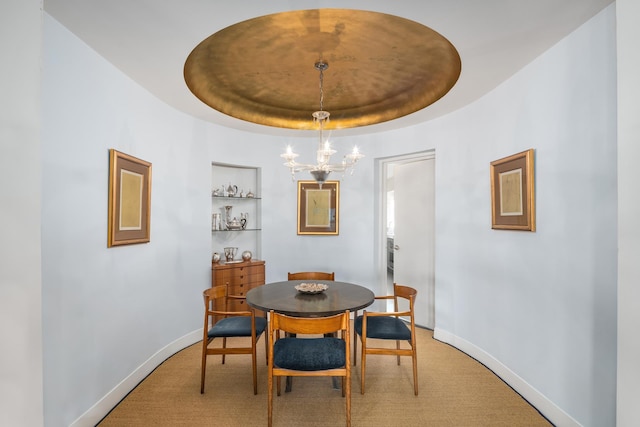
311,275
317,275
304,357
219,322
388,326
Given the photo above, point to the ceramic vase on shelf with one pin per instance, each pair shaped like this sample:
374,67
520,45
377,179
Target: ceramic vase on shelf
227,210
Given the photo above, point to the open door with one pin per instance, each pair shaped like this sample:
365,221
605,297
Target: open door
414,233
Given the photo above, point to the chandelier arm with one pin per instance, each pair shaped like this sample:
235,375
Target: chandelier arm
299,167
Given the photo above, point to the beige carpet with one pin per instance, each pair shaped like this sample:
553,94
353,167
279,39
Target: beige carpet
455,390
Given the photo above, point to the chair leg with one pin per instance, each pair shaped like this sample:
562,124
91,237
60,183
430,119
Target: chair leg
355,338
398,348
253,365
224,345
363,364
348,398
415,371
270,399
203,368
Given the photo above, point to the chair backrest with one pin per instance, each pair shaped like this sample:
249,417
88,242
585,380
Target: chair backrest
311,275
215,299
405,292
309,325
216,303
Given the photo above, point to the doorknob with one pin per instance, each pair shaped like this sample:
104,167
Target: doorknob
396,247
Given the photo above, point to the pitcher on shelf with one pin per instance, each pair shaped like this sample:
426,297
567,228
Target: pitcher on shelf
232,190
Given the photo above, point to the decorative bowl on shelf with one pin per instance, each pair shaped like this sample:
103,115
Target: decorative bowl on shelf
311,288
234,224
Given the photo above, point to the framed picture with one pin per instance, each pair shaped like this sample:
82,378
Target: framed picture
129,199
513,193
318,208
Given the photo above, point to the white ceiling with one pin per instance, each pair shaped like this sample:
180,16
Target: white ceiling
149,40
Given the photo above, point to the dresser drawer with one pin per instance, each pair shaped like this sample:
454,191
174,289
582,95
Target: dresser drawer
240,289
239,279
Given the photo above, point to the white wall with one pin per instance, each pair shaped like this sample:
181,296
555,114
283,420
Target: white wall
107,311
20,292
628,390
541,305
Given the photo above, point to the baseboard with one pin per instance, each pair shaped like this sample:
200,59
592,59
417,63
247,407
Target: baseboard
546,407
98,411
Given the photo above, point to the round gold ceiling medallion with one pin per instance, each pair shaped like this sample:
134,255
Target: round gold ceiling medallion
381,67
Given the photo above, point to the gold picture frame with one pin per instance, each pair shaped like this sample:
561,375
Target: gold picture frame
129,199
318,208
513,192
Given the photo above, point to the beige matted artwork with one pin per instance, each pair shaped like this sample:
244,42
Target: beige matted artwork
513,192
318,207
129,199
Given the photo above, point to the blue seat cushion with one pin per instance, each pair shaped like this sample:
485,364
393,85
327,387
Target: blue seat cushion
384,327
237,326
309,354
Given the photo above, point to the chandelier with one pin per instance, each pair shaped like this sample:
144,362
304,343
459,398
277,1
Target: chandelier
323,168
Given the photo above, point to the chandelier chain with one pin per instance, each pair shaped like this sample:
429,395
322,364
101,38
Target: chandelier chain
321,89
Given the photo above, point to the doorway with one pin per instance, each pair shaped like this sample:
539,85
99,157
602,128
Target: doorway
407,228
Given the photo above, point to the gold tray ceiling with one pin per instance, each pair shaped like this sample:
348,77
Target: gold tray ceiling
381,67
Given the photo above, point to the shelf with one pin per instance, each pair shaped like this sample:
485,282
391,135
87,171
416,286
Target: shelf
235,198
228,231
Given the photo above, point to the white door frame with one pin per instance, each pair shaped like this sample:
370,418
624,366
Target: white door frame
381,166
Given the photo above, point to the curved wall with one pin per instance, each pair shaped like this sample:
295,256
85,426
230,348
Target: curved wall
540,306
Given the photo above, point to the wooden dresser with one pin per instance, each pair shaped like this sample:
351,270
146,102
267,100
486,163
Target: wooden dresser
239,277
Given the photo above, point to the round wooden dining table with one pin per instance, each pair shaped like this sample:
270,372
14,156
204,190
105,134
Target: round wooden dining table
282,297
